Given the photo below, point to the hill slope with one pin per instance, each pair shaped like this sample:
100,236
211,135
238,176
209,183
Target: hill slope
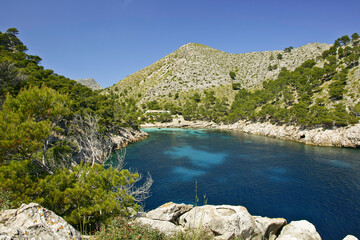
197,67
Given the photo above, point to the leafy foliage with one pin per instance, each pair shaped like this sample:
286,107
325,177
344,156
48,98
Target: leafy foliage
38,109
20,180
88,194
27,119
290,98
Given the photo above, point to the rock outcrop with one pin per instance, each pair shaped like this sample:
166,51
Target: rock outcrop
300,230
350,237
227,222
224,221
34,222
90,83
123,136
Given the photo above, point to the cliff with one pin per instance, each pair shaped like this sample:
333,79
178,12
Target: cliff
90,83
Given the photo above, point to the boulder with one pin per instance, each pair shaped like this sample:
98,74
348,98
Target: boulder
270,227
223,221
34,222
299,230
169,212
165,227
350,237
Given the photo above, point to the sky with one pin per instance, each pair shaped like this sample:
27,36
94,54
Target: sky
110,39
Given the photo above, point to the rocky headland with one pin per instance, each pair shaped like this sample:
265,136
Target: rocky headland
123,136
338,137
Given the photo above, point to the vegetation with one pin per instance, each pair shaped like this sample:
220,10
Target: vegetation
55,133
312,95
288,49
290,99
120,228
55,142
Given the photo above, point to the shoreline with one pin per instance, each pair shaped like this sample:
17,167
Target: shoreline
348,137
124,136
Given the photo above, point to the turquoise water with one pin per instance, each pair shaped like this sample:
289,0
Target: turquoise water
269,177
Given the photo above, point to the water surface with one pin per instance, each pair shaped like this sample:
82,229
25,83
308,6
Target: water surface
269,177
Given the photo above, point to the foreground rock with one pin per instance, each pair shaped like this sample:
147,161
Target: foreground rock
350,237
34,222
169,212
270,227
227,222
299,230
224,222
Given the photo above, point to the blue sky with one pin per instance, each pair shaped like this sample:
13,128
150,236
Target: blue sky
110,39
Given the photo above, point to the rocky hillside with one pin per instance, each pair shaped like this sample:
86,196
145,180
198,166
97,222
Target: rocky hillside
196,67
90,83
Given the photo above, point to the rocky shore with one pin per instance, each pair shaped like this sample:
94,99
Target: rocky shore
123,136
338,137
227,222
32,221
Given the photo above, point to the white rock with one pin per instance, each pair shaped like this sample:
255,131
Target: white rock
163,226
270,227
34,222
224,221
350,237
169,211
299,230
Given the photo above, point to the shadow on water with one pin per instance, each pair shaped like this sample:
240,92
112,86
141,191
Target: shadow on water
270,177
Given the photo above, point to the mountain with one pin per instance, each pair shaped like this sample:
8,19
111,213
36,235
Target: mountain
316,85
90,83
195,67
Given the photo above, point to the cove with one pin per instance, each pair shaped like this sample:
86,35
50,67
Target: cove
269,177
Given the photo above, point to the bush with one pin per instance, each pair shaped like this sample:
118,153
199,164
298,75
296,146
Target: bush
5,199
236,86
21,186
88,195
119,228
232,75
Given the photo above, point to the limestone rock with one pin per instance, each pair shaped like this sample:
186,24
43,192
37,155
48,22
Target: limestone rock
124,136
224,221
350,237
163,226
169,212
270,227
90,83
34,222
299,230
198,67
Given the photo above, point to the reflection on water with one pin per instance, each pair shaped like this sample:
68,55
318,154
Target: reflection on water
199,158
186,174
270,177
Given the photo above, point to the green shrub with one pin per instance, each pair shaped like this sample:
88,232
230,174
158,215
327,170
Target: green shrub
88,195
120,229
